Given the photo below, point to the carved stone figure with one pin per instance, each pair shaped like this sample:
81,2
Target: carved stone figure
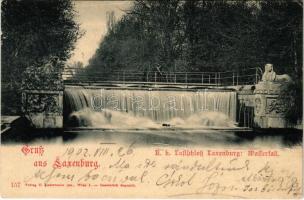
270,75
283,78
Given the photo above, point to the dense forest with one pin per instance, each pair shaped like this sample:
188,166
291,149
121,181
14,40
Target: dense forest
203,36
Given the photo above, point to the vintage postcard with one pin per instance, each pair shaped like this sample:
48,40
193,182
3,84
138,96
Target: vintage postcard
152,99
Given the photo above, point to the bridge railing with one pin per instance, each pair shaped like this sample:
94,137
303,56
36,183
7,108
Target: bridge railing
240,77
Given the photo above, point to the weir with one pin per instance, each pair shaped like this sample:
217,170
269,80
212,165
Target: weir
136,104
165,107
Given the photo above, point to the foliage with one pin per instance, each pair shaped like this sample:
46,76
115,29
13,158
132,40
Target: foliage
203,36
39,103
32,33
280,36
291,99
45,75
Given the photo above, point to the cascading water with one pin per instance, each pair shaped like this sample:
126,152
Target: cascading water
147,109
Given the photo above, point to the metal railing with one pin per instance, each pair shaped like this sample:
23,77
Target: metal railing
232,78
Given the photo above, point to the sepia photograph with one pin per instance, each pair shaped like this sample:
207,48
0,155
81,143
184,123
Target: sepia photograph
152,98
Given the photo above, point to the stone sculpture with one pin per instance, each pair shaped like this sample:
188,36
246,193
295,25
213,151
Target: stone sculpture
270,75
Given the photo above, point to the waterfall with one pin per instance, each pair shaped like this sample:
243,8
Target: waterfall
155,106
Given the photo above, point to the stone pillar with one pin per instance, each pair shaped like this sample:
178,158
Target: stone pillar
269,112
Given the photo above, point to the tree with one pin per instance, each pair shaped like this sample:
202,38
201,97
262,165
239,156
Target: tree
220,35
33,32
111,21
280,26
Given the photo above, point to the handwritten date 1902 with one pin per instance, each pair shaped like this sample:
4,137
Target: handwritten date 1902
101,151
